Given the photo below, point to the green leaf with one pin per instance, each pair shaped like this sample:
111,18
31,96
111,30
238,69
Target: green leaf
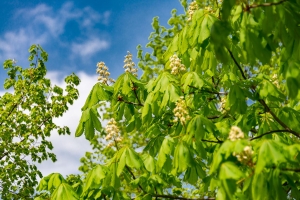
132,159
227,5
94,178
182,157
122,162
269,155
99,92
64,191
229,170
149,162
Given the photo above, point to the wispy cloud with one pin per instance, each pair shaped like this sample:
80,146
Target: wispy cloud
54,21
14,44
89,47
45,25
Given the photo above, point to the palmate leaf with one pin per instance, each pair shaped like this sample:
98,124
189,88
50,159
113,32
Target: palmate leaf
100,92
167,148
291,71
149,162
191,36
236,100
269,155
89,123
94,178
229,170
182,158
50,182
64,191
124,84
191,79
154,144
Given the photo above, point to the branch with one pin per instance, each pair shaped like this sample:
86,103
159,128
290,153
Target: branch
10,112
264,5
208,91
135,94
287,169
128,102
212,141
183,198
278,120
267,108
237,64
269,132
133,176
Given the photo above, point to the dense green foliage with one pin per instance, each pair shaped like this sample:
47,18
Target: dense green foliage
214,116
27,111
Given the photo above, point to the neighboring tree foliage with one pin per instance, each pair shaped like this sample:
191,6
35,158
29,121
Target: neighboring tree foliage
214,116
27,111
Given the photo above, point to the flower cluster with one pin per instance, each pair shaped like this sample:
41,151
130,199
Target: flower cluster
192,8
275,80
245,156
222,104
209,9
129,64
181,111
113,133
176,65
102,70
235,133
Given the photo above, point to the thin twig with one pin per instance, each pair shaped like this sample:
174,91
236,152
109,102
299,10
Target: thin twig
212,141
269,132
182,198
264,5
133,103
133,176
135,94
287,169
236,63
208,91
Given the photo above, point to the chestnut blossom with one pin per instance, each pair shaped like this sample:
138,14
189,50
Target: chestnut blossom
222,104
102,70
192,8
208,8
113,133
129,64
275,80
176,65
181,112
235,133
245,156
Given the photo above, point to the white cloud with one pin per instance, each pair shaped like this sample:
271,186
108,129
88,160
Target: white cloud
44,25
55,21
69,149
89,47
15,44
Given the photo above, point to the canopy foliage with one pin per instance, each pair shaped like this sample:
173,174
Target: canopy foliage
27,111
215,114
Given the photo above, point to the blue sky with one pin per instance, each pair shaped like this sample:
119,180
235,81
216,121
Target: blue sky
77,35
